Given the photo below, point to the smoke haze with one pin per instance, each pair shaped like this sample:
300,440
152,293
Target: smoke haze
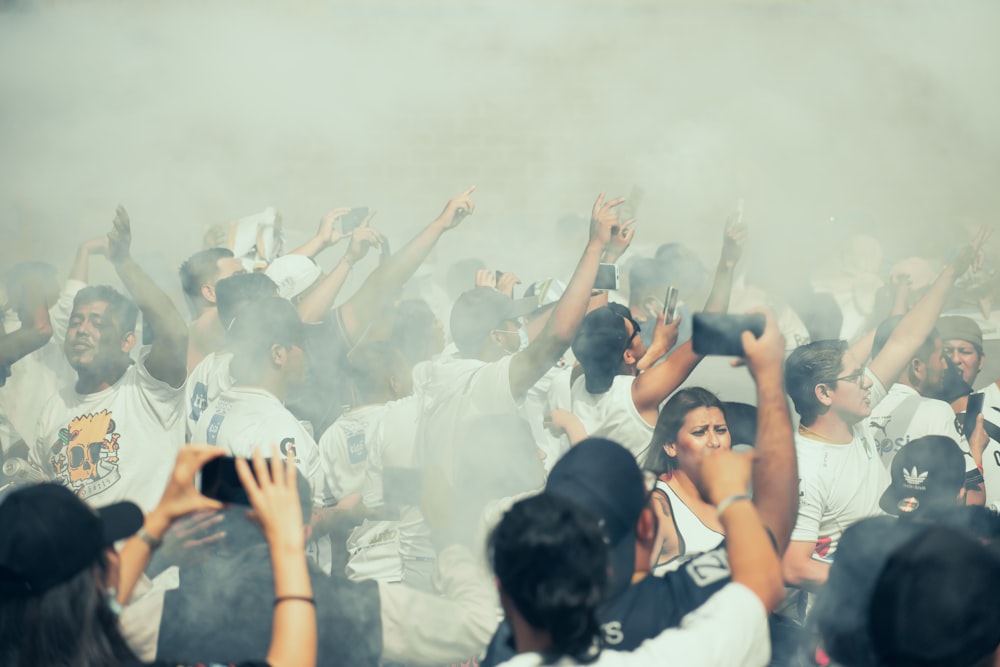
881,115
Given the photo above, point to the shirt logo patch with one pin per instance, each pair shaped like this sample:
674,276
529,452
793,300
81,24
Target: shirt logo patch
213,429
357,452
709,568
199,400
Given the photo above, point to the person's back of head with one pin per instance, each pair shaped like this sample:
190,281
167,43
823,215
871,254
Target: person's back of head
379,373
599,346
262,337
236,291
928,472
808,366
550,560
416,332
198,272
647,278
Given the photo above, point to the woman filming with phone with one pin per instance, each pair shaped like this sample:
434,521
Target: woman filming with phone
62,582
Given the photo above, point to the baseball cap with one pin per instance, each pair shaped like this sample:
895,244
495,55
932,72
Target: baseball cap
478,312
293,274
599,344
958,327
49,536
603,477
928,471
935,602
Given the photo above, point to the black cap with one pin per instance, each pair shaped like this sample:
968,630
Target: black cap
936,603
598,346
478,312
49,536
603,477
928,471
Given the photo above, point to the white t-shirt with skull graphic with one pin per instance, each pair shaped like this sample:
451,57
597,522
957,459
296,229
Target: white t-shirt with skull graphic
116,444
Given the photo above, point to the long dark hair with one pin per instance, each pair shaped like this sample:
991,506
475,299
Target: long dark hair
670,421
552,563
70,624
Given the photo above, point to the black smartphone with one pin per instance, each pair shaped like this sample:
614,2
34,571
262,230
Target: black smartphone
670,304
607,277
498,274
353,218
972,410
220,481
720,333
402,486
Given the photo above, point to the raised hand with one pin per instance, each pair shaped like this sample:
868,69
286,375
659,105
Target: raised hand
724,473
971,256
457,209
620,241
506,283
329,232
767,352
486,278
604,223
181,497
363,238
734,238
120,237
274,496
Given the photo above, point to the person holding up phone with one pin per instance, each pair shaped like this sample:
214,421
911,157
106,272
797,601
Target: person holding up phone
58,565
622,387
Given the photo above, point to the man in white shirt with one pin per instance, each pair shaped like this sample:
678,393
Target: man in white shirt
841,475
115,435
489,374
266,339
908,411
622,387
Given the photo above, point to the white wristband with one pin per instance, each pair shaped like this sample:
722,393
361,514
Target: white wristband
724,505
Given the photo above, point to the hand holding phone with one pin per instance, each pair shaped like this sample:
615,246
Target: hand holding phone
721,333
973,408
607,277
353,219
670,304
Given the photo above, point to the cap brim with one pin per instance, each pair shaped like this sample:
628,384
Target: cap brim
119,521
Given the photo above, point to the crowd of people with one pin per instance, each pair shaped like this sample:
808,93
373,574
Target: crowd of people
446,468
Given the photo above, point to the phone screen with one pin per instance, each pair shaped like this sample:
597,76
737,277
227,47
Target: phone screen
607,277
670,304
220,481
353,218
722,334
972,410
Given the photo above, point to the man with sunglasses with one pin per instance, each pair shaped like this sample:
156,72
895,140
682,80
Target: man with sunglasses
841,474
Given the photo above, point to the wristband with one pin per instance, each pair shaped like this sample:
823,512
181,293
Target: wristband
300,598
724,505
151,541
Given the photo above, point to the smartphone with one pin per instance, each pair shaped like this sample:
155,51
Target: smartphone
972,410
402,486
220,481
607,277
498,274
353,218
720,333
670,304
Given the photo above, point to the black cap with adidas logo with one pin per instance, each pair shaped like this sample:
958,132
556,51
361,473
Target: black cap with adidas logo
927,472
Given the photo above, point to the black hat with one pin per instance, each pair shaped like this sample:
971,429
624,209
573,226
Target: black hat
598,346
603,477
49,535
928,471
936,602
478,312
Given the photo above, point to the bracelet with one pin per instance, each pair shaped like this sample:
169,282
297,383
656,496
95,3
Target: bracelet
724,505
300,598
152,542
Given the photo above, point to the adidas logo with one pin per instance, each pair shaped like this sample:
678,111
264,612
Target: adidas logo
913,477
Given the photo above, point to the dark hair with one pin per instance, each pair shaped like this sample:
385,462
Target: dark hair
234,292
810,365
123,310
413,331
371,367
261,324
549,556
70,624
199,269
670,421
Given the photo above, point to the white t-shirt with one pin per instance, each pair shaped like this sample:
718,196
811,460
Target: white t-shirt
839,484
116,444
905,415
539,401
734,611
459,390
991,456
34,378
343,450
204,384
245,418
613,415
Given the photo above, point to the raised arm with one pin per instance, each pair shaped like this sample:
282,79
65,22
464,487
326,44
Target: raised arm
359,311
319,300
917,324
775,471
653,386
531,363
167,360
81,261
326,235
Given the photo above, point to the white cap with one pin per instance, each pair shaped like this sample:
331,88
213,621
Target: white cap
293,274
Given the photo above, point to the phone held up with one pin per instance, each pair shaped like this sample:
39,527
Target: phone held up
721,333
670,304
353,219
219,481
607,277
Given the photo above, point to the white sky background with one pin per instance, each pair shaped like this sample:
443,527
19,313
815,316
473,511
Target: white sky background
881,114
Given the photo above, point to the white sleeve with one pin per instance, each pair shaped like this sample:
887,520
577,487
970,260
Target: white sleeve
164,402
440,629
488,391
343,456
811,509
60,311
877,391
991,474
734,610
